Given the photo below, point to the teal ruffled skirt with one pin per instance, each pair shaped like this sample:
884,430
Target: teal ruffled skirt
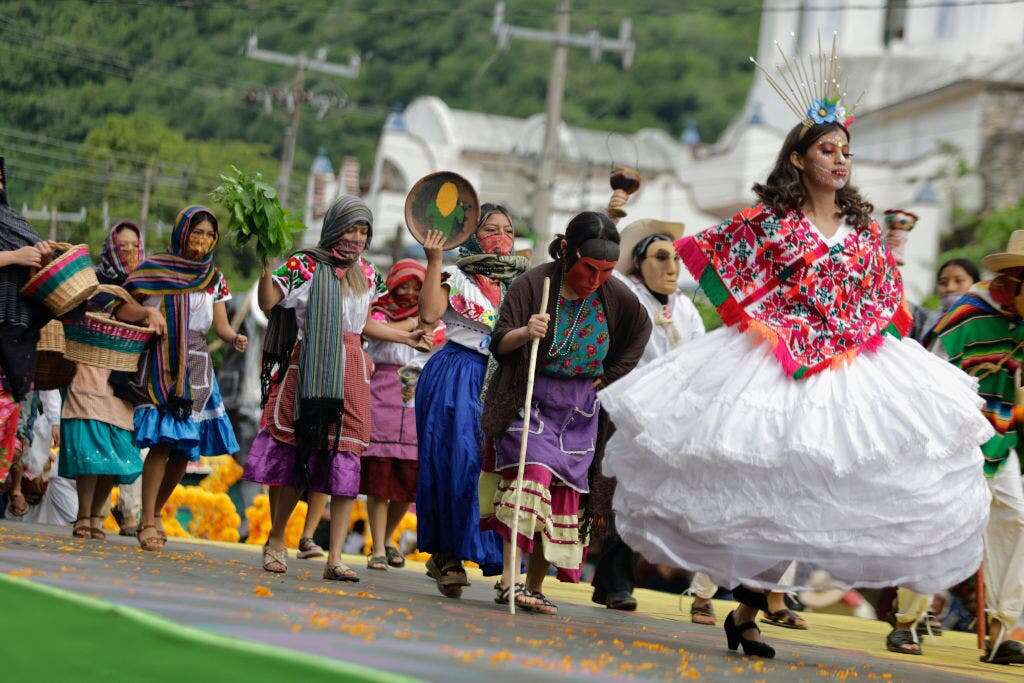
93,448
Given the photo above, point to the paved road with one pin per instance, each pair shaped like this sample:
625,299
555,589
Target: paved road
397,621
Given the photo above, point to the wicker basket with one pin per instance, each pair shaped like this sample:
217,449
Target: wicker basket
101,341
53,370
65,282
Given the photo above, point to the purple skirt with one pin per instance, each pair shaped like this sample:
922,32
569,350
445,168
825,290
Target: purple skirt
275,463
393,427
563,430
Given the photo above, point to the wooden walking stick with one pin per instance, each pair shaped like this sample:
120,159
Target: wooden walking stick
534,346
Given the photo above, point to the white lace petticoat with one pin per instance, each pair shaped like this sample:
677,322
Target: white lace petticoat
872,472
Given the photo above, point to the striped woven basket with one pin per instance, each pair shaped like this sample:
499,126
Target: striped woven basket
53,370
101,341
65,282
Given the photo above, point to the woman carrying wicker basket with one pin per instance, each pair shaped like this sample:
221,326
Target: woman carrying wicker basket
96,446
181,294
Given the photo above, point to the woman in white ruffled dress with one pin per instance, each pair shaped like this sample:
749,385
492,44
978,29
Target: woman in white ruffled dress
807,429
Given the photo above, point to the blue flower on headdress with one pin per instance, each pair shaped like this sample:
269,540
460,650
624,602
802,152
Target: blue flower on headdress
822,111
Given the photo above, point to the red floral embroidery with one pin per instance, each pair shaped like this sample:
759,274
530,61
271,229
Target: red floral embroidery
816,302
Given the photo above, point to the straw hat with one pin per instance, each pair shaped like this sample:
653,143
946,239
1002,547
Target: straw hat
633,233
822,591
1013,257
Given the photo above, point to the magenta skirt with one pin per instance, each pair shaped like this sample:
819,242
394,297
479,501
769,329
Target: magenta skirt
275,463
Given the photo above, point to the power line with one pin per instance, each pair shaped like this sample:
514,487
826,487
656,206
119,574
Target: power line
677,8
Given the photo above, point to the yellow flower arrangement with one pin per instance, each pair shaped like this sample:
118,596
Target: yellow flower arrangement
225,472
258,515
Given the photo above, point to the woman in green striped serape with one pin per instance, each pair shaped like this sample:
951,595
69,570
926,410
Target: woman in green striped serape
984,336
316,419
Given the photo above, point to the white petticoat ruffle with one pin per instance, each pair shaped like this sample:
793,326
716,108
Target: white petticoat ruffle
872,472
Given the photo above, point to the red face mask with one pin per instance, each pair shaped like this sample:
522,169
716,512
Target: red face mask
499,243
587,274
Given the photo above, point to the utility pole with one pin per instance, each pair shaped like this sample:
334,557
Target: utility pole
296,97
562,40
53,216
147,191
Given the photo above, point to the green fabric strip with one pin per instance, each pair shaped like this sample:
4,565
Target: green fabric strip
103,642
713,287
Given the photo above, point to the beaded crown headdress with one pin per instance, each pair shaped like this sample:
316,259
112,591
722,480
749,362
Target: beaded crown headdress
812,87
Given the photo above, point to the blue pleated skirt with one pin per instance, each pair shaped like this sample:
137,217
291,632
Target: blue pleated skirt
448,409
204,432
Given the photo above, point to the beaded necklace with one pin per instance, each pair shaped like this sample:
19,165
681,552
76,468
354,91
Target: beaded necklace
558,350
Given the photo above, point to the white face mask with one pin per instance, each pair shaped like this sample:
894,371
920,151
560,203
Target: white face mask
947,301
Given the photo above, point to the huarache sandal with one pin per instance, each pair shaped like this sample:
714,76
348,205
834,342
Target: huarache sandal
274,561
83,531
447,590
786,618
395,557
450,574
541,604
340,572
703,615
308,549
149,542
379,563
901,641
524,599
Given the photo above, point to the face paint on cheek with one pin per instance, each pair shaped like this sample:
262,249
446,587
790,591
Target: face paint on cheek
588,274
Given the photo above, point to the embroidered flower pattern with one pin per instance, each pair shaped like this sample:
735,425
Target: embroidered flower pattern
467,300
219,289
820,301
584,355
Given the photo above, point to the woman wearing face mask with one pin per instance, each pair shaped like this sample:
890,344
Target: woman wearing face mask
954,279
96,446
389,467
806,429
593,333
316,421
448,397
181,294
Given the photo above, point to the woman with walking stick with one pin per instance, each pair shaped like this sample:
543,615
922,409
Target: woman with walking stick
592,332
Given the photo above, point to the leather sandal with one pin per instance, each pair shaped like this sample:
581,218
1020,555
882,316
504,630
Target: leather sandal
395,557
786,618
379,563
149,543
84,531
274,561
703,615
525,600
340,572
901,641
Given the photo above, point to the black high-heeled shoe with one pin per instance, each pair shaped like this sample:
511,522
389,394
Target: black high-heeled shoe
751,648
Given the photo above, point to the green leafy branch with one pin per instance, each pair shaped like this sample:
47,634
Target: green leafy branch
254,211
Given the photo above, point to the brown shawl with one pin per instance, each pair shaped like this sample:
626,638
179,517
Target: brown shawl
629,327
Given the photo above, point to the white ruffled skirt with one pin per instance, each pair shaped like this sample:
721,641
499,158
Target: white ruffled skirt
872,472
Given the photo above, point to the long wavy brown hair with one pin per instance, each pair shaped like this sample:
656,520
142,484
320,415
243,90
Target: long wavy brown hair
784,190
